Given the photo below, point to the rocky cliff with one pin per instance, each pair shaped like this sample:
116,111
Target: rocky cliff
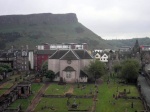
46,18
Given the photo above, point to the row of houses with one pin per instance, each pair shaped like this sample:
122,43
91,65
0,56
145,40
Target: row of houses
25,59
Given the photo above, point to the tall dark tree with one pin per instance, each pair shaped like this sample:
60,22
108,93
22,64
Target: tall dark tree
95,70
136,47
50,74
117,68
130,70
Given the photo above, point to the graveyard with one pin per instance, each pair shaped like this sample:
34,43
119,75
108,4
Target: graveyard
24,103
104,96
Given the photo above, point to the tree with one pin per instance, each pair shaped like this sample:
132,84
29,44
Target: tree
117,68
95,70
6,67
1,70
130,70
50,74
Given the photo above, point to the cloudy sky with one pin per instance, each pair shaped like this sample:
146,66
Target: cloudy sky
110,19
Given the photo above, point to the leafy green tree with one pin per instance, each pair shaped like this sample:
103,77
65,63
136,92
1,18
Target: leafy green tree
130,70
7,68
117,68
95,70
50,74
1,69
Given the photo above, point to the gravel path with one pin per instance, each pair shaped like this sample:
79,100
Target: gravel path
37,98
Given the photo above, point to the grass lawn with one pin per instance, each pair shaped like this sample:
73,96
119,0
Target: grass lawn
60,104
25,102
106,102
6,85
55,89
86,91
2,92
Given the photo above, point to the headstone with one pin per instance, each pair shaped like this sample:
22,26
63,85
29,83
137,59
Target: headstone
74,105
124,90
132,105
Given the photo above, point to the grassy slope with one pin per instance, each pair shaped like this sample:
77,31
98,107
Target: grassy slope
40,33
129,42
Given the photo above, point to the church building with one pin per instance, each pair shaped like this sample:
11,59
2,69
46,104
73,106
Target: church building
69,64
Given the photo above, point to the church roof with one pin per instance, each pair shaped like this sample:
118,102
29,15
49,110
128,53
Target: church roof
58,54
70,55
83,54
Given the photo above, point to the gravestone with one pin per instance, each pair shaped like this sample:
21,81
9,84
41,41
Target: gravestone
74,105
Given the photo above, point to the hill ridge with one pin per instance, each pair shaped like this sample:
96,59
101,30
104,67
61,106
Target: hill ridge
39,18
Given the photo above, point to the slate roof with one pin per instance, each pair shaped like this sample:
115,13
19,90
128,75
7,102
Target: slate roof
5,55
83,74
70,55
49,52
58,54
83,54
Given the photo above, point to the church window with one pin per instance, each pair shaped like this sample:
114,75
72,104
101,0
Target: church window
68,74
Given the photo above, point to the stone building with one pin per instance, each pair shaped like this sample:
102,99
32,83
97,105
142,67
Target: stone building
21,90
24,89
69,64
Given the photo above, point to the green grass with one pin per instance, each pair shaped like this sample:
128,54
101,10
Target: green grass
26,102
88,88
60,104
106,101
57,89
6,85
2,92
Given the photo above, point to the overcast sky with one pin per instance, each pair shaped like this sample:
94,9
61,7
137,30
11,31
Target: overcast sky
110,19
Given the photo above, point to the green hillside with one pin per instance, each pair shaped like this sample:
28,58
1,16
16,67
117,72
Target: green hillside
46,28
128,42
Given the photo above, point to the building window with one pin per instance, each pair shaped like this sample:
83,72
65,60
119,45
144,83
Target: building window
68,74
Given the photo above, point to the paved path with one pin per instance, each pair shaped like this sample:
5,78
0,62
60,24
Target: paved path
37,98
71,89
